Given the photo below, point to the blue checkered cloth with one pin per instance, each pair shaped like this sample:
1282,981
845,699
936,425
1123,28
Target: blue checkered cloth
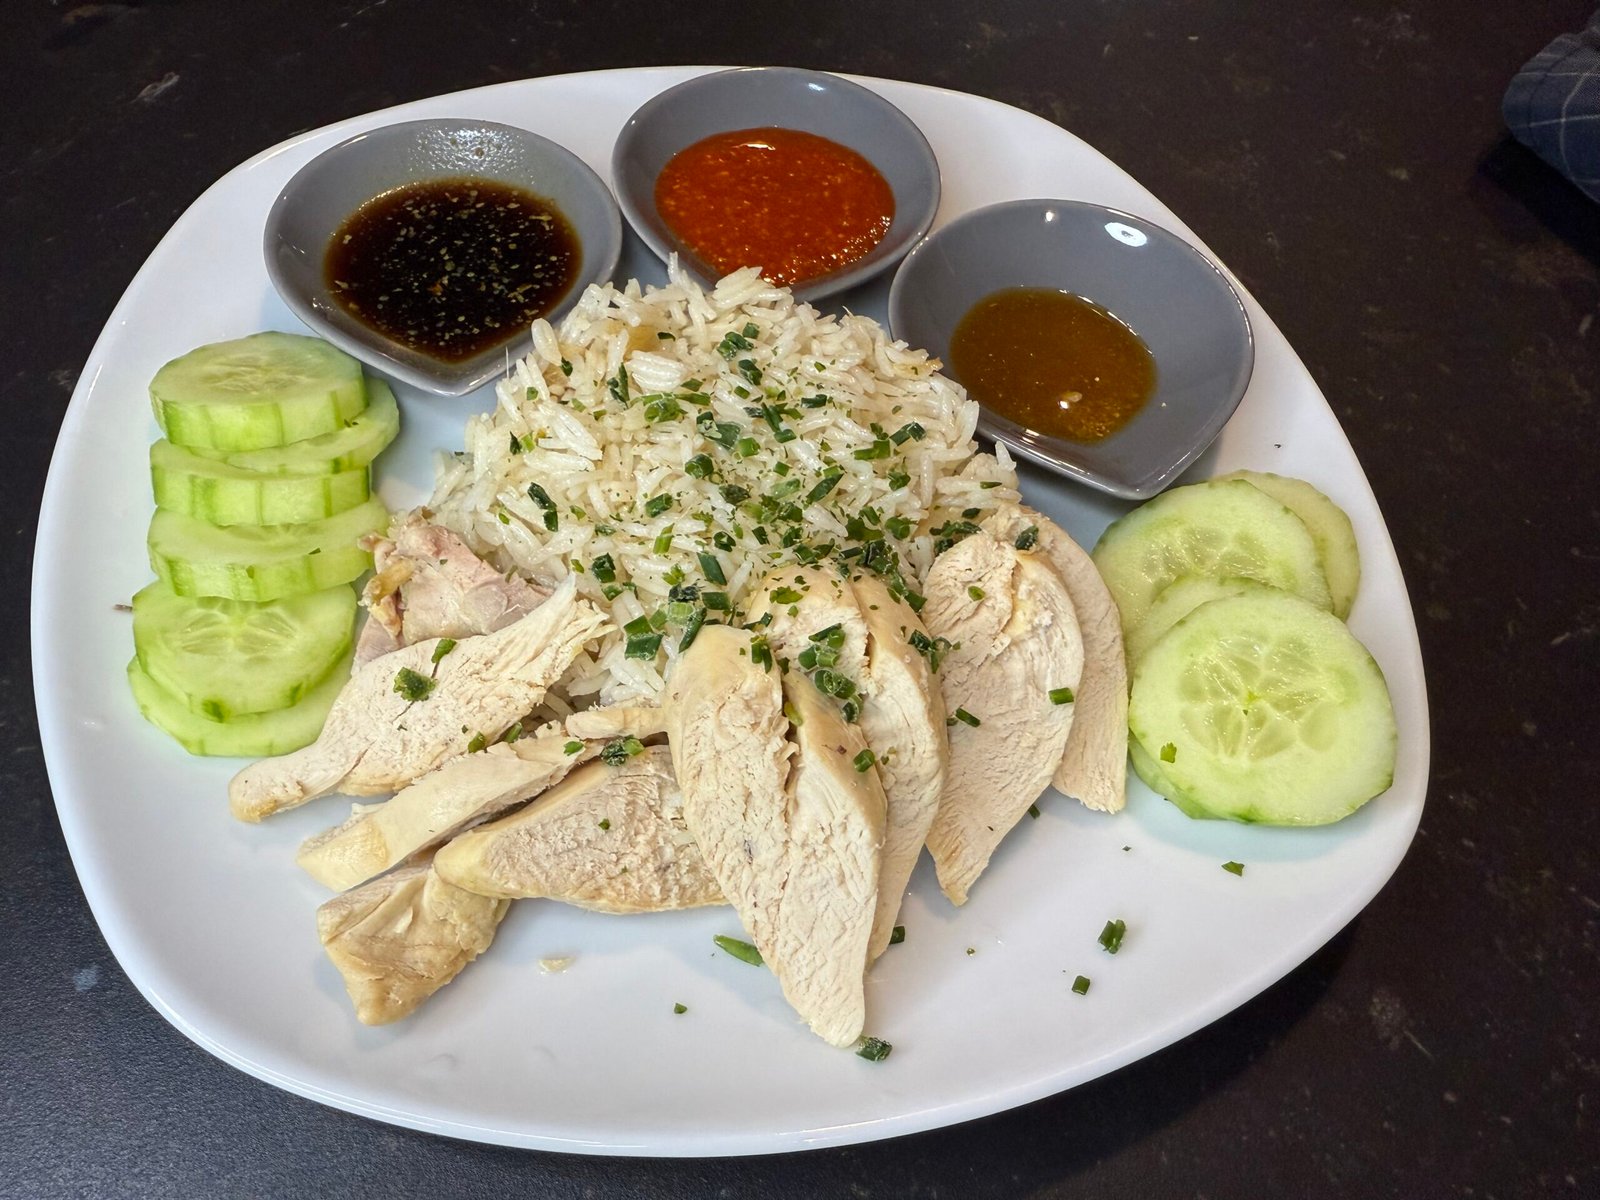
1553,106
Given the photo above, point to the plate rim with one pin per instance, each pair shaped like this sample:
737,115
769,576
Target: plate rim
912,1118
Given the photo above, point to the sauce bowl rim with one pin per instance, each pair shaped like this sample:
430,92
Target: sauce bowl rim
636,196
374,349
1061,455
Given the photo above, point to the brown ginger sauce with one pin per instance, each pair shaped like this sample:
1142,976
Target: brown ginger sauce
1052,362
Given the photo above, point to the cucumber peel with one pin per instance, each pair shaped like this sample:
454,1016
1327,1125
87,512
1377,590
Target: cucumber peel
264,390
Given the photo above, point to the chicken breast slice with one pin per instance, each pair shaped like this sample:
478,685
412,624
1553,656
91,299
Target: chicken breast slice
399,939
1094,767
462,792
901,713
428,583
1014,639
375,740
608,838
823,925
791,830
902,716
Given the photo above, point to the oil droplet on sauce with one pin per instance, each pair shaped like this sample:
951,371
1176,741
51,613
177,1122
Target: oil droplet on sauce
452,267
797,205
1052,362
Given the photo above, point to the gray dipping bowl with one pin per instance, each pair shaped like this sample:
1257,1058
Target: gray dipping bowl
1169,293
787,97
338,181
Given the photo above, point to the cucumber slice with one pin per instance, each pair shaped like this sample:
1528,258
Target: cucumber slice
223,658
215,491
262,390
356,444
1177,601
257,735
1274,711
262,562
1330,530
1222,528
1147,768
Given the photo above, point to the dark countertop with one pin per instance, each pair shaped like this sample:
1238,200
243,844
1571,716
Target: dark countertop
1347,160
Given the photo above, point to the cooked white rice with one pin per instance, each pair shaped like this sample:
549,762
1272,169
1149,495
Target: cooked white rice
561,424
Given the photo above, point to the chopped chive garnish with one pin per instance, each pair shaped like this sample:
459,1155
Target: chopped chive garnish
711,566
604,569
663,541
1169,753
444,647
761,653
691,629
1081,985
1061,696
657,505
411,685
976,592
723,541
665,336
1033,811
899,526
823,486
865,761
967,718
1028,538
732,343
969,513
743,951
620,751
700,466
605,823
786,595
637,625
909,430
881,448
1235,868
733,493
505,517
747,447
747,367
617,385
478,742
989,483
833,636
751,331
642,645
566,367
540,497
1111,936
897,935
716,601
874,1049
512,734
662,408
572,747
612,590
680,1009
813,401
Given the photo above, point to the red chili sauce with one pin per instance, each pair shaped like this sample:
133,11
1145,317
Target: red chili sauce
794,204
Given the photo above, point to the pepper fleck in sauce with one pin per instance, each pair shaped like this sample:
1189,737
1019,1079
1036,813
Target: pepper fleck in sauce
797,205
1052,362
452,267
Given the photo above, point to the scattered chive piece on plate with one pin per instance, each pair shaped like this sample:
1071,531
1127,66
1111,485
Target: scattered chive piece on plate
1033,811
874,1049
743,951
680,1009
1081,985
1169,753
1061,696
1233,868
1111,936
444,647
898,935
